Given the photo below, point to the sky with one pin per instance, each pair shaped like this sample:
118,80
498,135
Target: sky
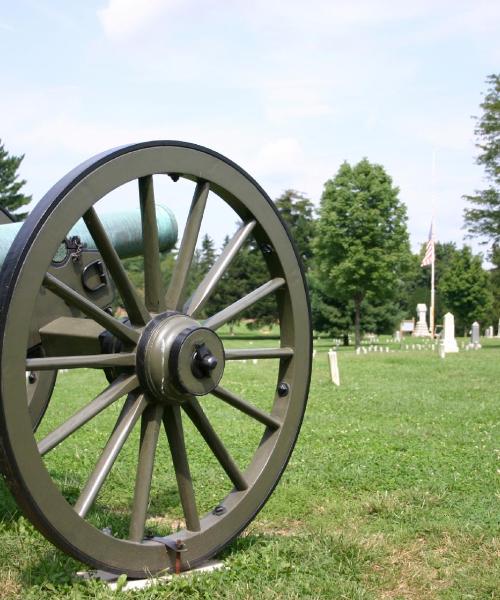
288,90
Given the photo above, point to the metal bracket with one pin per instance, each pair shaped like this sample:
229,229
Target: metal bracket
75,246
99,268
176,546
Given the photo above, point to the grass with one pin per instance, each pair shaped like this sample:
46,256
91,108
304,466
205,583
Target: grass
392,491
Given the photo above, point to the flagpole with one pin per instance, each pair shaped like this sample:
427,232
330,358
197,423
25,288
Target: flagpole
433,196
431,316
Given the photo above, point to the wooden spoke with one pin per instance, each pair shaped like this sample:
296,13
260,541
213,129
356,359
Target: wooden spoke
241,354
91,361
134,305
246,407
150,428
153,285
207,286
172,421
201,422
233,310
179,279
114,326
130,413
121,386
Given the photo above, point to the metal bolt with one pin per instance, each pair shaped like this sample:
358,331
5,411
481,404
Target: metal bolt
219,510
283,389
32,377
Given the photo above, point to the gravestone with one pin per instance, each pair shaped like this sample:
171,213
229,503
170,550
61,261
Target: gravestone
334,367
449,341
498,330
421,329
489,332
475,335
397,336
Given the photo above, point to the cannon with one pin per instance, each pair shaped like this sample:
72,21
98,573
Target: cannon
163,360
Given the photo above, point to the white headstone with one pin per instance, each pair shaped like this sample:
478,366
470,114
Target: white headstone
441,350
475,335
449,341
358,350
397,336
421,329
498,330
489,331
334,367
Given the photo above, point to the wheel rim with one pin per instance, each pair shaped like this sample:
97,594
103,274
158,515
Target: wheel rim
23,275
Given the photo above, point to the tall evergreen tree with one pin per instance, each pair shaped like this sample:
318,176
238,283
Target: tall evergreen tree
362,246
246,273
494,275
298,213
483,219
11,196
207,254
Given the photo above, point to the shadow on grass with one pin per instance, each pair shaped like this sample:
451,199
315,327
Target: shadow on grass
8,507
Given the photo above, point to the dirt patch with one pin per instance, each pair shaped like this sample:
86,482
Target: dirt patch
9,586
172,524
288,528
411,572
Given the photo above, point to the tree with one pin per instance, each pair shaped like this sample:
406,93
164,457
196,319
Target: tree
494,274
362,247
484,218
11,196
246,273
465,289
298,213
207,254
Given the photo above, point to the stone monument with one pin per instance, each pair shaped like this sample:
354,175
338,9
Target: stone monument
498,330
421,329
475,335
489,332
449,341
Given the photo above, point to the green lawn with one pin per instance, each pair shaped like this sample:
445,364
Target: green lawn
392,491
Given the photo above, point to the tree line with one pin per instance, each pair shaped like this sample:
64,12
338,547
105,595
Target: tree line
355,248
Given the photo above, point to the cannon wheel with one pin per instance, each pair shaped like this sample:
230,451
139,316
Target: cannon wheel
162,329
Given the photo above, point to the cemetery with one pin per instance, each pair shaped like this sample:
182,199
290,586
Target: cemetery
249,301
383,468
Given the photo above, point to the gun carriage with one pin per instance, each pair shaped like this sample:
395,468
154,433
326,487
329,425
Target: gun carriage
60,274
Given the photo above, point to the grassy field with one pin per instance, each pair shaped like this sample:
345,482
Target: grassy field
392,491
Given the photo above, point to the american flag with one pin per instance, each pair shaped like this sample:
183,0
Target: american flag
429,250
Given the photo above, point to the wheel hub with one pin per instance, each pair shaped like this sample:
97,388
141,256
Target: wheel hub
177,357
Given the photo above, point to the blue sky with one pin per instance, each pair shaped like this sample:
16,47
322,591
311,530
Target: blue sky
286,89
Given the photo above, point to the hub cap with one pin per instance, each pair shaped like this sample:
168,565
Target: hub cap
177,358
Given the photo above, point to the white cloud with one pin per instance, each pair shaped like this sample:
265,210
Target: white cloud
122,18
278,157
446,132
297,99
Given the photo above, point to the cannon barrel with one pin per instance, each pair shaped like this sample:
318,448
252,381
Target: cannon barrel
124,229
